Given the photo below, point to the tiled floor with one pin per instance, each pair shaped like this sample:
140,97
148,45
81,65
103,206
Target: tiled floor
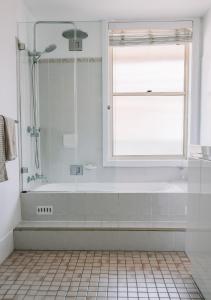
97,275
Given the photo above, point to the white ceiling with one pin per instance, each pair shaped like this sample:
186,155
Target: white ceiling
116,9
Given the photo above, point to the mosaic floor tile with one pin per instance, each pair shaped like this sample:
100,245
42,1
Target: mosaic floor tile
97,275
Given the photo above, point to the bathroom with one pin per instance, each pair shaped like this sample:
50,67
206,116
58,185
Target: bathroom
109,109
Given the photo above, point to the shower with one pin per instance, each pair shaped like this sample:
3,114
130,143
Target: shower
75,38
37,55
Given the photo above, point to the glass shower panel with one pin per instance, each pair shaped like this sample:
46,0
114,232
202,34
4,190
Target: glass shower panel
57,118
68,105
58,105
48,104
24,61
89,100
70,110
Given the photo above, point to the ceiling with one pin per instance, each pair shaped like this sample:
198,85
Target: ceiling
116,9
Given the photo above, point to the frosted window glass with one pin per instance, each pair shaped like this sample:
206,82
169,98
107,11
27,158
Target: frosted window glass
159,68
148,125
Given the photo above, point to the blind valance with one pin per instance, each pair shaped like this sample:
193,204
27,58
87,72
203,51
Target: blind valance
132,37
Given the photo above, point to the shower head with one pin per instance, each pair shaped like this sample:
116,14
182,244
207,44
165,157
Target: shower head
75,38
71,34
37,55
50,48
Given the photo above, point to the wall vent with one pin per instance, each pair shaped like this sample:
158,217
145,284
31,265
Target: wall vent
44,210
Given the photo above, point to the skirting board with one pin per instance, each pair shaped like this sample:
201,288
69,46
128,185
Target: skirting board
99,240
6,246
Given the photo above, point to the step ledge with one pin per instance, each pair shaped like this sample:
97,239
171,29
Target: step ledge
99,226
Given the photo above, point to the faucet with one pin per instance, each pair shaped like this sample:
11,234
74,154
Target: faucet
76,170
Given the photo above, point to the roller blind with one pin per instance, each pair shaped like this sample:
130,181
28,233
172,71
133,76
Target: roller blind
149,36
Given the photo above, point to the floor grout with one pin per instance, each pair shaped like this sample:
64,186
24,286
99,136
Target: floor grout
97,275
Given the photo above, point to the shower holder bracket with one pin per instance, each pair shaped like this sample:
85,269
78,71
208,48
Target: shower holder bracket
21,46
34,132
24,170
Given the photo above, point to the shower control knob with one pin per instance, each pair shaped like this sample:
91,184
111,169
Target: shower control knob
29,129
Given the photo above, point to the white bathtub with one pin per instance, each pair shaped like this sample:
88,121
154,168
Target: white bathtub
117,216
110,187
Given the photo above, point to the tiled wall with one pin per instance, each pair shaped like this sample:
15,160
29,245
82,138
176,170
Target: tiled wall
159,221
56,82
199,223
107,207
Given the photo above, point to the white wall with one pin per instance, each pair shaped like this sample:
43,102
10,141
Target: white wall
206,82
10,12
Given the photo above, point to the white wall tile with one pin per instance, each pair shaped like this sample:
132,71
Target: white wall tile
198,242
97,240
104,206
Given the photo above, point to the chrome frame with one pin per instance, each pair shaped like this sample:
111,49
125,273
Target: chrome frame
48,22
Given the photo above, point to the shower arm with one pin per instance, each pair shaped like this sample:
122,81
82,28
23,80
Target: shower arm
49,22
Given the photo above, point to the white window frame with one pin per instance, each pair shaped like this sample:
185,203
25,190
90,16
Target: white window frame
192,117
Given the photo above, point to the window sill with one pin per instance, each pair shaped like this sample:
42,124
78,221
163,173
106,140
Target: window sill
145,163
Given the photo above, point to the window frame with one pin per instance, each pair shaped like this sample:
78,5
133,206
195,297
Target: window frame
132,160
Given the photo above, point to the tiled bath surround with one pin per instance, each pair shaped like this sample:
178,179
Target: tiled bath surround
69,237
98,221
149,207
97,275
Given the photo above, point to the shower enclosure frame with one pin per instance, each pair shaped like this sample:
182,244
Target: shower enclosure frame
19,47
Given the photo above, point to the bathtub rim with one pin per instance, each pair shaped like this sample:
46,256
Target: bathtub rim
178,187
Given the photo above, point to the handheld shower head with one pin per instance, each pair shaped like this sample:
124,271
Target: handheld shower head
50,48
37,55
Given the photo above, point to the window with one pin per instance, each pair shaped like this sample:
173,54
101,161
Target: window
148,92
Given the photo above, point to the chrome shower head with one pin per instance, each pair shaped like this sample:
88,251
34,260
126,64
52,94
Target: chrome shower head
75,38
50,48
37,55
71,34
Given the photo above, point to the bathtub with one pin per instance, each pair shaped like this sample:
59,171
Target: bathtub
110,187
114,202
103,216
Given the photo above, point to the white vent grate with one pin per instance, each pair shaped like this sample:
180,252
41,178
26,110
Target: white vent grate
45,210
